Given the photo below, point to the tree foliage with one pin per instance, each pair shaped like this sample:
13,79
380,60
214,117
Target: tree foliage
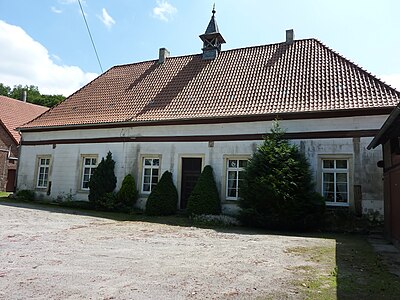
278,190
102,183
163,199
33,95
127,195
204,199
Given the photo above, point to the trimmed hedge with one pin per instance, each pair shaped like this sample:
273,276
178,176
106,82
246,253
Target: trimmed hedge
127,195
204,199
163,199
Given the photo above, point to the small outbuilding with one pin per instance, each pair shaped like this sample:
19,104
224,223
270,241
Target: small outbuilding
13,113
389,138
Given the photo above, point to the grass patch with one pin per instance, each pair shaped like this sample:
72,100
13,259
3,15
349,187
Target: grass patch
318,276
4,194
350,269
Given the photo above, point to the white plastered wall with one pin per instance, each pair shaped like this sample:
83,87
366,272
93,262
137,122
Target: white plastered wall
65,172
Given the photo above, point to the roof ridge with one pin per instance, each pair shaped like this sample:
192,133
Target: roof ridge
21,102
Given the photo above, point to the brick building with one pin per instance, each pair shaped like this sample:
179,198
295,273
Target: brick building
13,113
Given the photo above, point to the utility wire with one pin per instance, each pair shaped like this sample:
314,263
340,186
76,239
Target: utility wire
90,35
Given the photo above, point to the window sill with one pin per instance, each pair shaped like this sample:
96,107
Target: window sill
337,204
41,188
144,195
231,201
83,191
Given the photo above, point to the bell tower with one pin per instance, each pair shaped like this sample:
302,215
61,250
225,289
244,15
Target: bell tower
212,39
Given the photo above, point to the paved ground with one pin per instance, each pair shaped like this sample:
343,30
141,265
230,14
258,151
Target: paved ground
52,255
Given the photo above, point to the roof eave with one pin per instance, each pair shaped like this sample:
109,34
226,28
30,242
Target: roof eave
221,119
380,137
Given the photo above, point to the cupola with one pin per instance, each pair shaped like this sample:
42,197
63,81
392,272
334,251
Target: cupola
212,39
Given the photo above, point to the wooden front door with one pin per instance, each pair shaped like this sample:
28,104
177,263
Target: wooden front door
191,169
10,187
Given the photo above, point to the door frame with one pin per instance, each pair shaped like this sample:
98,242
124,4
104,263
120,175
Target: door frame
179,179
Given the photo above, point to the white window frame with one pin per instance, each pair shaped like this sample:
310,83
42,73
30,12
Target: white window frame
43,163
150,167
237,170
336,171
91,168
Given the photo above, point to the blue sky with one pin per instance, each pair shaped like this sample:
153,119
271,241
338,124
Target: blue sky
45,43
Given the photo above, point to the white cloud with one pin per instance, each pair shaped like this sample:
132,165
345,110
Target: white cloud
106,19
27,62
164,10
56,10
393,80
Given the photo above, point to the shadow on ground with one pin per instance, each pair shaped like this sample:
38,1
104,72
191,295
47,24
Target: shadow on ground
357,270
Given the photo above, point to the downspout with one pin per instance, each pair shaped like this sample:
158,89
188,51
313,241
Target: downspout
18,162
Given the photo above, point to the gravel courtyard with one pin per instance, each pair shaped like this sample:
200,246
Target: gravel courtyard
54,255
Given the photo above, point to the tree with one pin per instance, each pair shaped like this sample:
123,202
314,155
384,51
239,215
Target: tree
163,199
33,95
4,90
127,195
204,199
102,182
277,190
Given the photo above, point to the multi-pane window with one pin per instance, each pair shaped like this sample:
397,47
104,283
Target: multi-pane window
335,181
234,177
151,170
89,165
43,172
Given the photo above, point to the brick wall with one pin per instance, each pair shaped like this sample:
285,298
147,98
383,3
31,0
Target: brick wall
5,142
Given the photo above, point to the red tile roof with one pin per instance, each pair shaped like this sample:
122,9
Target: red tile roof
14,113
305,76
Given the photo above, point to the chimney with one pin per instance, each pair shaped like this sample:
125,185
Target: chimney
289,36
24,93
163,54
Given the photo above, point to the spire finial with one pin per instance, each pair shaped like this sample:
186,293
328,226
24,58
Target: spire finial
213,11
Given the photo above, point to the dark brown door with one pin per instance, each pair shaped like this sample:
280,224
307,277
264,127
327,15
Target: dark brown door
10,181
191,169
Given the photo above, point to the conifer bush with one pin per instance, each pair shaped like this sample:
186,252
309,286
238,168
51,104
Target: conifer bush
278,191
163,199
102,183
127,195
204,199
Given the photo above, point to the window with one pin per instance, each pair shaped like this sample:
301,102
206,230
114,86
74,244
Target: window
89,165
151,169
234,177
43,172
335,181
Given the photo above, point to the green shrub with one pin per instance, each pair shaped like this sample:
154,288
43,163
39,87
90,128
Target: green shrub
163,199
204,199
76,204
277,191
102,181
127,195
107,202
26,195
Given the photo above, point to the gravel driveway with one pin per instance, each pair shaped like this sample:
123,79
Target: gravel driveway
55,255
